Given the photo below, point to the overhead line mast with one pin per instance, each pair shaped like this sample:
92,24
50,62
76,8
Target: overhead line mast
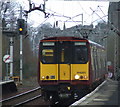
41,8
21,51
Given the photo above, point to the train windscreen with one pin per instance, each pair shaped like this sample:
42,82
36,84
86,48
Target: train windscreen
65,52
48,54
80,52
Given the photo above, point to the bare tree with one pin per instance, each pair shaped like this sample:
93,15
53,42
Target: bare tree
10,13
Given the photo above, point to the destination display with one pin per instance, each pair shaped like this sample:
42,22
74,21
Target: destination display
48,43
80,43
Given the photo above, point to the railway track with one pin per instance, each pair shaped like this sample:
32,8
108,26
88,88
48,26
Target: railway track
23,98
33,96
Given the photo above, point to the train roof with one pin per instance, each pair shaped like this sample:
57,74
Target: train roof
72,38
96,44
63,38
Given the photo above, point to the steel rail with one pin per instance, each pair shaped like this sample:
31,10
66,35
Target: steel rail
13,97
26,101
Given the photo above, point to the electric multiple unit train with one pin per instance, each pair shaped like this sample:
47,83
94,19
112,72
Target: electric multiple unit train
69,65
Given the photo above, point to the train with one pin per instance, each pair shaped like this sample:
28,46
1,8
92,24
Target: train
67,66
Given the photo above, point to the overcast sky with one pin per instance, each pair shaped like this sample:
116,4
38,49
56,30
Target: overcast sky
69,12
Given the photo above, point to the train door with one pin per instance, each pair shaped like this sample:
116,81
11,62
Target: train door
65,57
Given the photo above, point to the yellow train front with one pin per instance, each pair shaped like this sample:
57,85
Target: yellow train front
69,66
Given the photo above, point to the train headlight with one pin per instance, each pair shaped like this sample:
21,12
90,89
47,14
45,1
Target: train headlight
43,77
77,77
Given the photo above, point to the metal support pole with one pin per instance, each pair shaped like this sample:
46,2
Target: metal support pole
33,44
82,19
11,56
7,72
21,52
21,62
0,46
115,57
7,77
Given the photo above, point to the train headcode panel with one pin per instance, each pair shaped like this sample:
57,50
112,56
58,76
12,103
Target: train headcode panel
68,65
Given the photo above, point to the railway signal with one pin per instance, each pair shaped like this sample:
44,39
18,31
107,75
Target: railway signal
21,26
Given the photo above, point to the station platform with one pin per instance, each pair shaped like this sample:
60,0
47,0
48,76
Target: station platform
5,82
8,86
106,94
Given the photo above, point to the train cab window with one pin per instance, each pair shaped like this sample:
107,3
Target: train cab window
81,55
65,56
47,55
65,52
47,52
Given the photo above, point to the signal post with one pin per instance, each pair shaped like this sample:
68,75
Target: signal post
21,32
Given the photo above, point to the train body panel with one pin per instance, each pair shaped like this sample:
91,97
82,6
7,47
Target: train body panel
49,71
82,70
64,72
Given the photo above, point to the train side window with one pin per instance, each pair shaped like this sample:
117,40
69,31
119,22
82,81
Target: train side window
99,59
92,59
